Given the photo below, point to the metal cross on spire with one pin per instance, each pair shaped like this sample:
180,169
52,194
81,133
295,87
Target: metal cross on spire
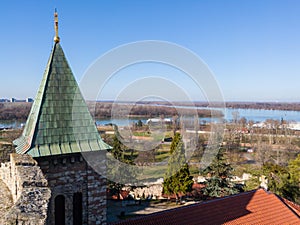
56,38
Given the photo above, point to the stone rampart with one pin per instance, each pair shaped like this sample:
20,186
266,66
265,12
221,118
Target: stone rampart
150,191
6,149
29,191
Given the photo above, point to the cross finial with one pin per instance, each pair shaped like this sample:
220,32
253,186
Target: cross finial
56,38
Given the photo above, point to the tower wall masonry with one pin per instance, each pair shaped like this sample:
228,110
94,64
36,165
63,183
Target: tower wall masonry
70,174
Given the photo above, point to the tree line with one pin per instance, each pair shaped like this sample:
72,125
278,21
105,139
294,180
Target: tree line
290,106
20,110
15,110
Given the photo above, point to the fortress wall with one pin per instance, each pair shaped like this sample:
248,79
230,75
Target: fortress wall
154,191
34,185
6,149
28,188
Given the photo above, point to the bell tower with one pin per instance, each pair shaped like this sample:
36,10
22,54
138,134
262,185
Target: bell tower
60,134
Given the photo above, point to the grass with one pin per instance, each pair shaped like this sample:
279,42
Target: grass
194,170
152,172
142,133
162,153
161,157
158,171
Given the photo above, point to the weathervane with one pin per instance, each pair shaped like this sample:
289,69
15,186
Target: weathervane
56,38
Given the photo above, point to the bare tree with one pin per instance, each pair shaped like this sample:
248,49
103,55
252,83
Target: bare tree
263,153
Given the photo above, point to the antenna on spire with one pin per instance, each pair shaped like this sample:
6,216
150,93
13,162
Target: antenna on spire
56,38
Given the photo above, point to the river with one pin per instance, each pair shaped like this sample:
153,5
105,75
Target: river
256,115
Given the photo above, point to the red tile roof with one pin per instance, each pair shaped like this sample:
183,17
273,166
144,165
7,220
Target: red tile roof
293,206
254,207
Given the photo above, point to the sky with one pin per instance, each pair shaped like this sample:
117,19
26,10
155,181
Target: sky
252,48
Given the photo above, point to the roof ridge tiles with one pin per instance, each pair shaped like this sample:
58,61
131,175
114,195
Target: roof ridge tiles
295,208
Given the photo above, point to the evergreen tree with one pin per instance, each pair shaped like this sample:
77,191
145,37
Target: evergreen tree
253,182
118,149
277,176
294,186
294,169
283,181
119,171
177,178
219,174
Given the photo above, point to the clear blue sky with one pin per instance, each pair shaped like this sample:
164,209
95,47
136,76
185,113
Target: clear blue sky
252,47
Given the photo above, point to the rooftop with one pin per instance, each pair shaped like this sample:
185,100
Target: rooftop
254,207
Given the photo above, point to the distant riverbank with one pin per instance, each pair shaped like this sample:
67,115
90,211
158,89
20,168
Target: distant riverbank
286,106
20,110
15,114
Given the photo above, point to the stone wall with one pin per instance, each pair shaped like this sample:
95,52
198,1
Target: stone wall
29,191
33,186
6,149
69,174
6,200
150,191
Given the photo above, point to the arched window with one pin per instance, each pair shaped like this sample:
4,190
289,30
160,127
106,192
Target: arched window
77,208
59,203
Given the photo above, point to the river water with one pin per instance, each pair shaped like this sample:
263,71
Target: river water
256,115
260,115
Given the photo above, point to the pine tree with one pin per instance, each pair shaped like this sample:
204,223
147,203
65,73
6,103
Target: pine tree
294,169
284,181
292,190
219,174
177,178
119,169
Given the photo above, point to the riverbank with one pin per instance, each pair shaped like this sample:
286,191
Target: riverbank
101,110
14,114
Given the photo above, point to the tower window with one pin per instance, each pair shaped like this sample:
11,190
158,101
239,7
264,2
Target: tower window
59,210
77,208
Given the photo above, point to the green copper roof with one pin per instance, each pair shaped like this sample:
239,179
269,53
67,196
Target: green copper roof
59,121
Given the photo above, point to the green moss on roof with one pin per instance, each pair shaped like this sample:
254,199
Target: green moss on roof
59,121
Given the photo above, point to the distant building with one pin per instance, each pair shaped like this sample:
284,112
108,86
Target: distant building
17,100
159,120
4,100
29,99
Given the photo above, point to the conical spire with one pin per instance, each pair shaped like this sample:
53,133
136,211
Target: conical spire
59,121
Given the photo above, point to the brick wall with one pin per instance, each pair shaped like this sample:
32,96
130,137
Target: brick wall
70,174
